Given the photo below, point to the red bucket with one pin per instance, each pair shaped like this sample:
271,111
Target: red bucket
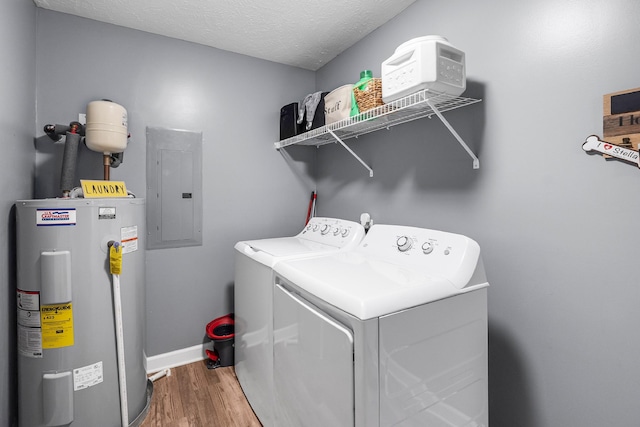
221,331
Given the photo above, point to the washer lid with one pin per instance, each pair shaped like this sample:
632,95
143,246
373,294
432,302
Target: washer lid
366,287
322,235
269,251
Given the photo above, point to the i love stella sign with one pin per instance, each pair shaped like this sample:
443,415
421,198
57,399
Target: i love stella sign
593,143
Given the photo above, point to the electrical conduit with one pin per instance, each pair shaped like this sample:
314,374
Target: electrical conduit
115,266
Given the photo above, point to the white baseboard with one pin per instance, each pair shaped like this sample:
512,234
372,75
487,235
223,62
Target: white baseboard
175,358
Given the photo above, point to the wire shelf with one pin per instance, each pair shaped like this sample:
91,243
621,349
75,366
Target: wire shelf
424,103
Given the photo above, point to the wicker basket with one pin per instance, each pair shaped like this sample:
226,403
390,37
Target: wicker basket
371,96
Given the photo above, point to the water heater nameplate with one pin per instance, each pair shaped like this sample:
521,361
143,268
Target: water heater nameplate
87,376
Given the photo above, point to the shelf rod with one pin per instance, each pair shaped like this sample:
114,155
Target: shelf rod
352,153
476,162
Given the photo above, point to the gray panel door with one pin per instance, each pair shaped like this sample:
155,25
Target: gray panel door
174,182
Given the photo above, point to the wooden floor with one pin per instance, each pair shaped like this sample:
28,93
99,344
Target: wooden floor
194,396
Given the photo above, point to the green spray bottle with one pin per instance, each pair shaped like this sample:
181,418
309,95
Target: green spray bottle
365,76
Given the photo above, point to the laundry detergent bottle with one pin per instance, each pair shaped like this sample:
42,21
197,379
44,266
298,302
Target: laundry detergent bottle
365,76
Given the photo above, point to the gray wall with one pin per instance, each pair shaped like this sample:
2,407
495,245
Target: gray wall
556,225
249,189
17,117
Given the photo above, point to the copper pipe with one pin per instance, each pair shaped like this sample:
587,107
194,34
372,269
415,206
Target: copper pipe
107,166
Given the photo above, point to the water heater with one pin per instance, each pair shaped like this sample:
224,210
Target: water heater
67,358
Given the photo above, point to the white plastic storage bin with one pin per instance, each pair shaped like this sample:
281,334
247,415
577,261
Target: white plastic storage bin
428,62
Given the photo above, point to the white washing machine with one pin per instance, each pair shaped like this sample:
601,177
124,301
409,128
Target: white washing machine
253,300
392,333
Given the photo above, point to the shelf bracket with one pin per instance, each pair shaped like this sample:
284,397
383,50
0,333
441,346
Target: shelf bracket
351,152
476,162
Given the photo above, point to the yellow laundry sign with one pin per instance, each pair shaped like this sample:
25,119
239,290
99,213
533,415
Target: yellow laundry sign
100,189
57,325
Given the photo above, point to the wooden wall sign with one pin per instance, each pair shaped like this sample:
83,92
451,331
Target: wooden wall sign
621,121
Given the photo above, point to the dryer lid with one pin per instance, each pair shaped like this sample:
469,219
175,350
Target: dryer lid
393,268
364,287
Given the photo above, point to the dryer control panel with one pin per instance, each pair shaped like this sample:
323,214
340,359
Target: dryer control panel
432,252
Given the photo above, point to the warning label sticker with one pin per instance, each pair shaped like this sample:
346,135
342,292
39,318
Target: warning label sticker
28,316
28,300
87,376
57,325
129,239
29,341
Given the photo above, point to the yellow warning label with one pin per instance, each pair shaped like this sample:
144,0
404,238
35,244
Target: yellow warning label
99,189
57,325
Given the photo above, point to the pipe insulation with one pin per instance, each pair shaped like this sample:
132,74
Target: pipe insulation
69,161
55,132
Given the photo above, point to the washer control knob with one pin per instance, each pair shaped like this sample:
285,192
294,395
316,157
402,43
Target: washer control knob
345,232
315,227
336,231
427,248
325,229
404,243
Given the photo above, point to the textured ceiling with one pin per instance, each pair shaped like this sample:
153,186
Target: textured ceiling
301,33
